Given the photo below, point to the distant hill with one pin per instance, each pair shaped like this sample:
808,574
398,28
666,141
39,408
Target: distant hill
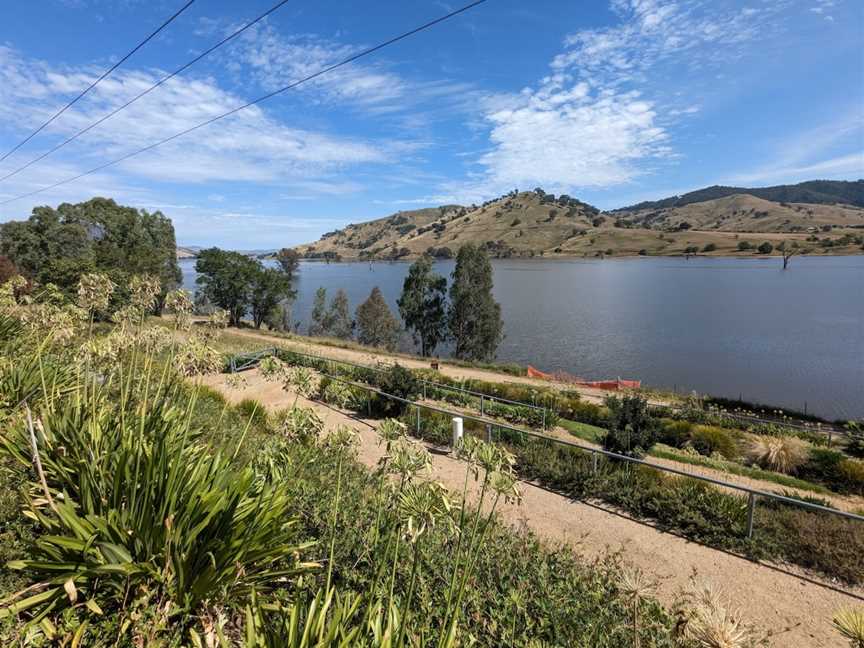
535,223
817,192
517,224
187,252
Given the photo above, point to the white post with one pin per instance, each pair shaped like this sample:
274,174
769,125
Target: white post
457,430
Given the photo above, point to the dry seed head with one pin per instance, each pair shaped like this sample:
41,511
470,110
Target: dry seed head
94,291
144,290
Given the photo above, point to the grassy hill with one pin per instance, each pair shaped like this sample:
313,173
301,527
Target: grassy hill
531,224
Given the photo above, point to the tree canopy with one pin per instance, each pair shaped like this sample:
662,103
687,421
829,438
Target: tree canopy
241,284
334,321
423,305
474,318
376,325
59,245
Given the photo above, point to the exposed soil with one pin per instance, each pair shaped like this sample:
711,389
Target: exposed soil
794,607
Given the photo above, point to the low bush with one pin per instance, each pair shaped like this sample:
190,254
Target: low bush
780,454
851,474
673,432
707,440
632,429
253,411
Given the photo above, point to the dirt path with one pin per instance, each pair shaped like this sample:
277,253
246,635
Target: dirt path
796,608
372,359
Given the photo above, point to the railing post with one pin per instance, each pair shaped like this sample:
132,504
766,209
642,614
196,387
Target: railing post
751,506
481,404
594,461
424,390
488,433
418,421
544,419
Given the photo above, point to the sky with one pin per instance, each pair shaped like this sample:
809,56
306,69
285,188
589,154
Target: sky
610,102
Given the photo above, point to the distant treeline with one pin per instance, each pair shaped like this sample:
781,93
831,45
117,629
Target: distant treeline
819,192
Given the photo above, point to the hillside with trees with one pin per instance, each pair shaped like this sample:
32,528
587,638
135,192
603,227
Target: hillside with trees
538,224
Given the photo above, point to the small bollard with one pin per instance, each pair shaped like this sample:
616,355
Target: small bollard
457,430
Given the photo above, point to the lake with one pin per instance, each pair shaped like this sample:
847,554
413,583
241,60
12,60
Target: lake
728,327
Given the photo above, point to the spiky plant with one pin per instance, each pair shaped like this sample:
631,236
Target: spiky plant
132,504
850,624
710,623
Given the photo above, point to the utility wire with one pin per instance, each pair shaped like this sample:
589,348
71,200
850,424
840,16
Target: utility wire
145,92
97,81
269,95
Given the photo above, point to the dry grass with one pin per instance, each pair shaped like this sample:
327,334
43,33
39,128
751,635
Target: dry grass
523,225
780,454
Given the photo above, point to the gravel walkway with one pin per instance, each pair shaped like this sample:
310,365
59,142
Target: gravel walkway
795,607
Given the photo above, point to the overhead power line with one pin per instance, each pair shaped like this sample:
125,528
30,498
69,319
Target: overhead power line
167,77
269,95
97,81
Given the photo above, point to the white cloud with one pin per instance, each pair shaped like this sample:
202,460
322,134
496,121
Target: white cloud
823,8
600,119
250,146
274,60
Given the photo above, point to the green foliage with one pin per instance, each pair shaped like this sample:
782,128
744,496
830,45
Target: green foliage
707,440
422,305
474,319
632,430
743,246
289,261
269,287
225,279
765,248
376,325
334,321
60,245
144,508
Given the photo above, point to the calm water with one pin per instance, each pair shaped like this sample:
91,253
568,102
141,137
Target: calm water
728,327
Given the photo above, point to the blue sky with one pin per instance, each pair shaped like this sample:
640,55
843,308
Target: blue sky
611,102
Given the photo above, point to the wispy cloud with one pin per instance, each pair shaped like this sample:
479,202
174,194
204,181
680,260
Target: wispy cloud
824,8
599,119
273,59
251,146
843,166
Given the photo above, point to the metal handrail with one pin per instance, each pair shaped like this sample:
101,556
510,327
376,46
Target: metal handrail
425,382
752,493
607,453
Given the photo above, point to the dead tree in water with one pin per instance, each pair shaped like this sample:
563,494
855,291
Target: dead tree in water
788,253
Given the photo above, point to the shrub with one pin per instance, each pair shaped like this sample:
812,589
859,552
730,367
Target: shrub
851,472
253,411
708,439
710,247
743,246
780,454
632,430
765,248
674,433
